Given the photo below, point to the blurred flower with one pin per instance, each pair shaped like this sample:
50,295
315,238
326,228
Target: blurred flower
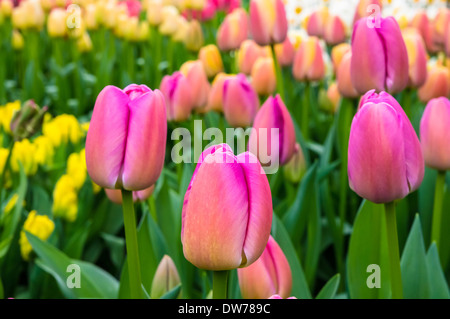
56,23
285,52
435,133
437,83
76,168
295,168
215,97
338,52
308,61
240,101
177,93
268,21
363,9
6,114
196,77
63,129
180,33
343,77
27,120
115,195
21,153
317,21
90,16
125,144
279,297
40,226
231,228
6,8
65,198
417,57
28,15
385,49
194,36
269,275
263,76
17,41
84,43
421,22
233,30
278,145
248,53
44,150
168,25
211,59
334,31
165,279
389,166
11,204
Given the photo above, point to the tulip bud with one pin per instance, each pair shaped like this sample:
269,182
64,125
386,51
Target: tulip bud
17,40
6,8
115,195
334,30
296,167
308,61
154,12
437,83
168,25
215,97
343,77
385,49
125,144
421,22
417,57
317,22
194,36
389,166
229,229
177,93
196,76
248,53
273,137
268,21
211,59
166,278
233,30
264,80
269,275
435,133
338,52
285,52
439,27
90,17
180,33
240,101
27,121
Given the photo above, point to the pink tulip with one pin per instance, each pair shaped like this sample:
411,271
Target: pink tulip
248,53
343,78
362,9
338,52
421,22
435,133
380,58
269,275
227,5
126,141
278,144
279,297
268,21
437,83
227,211
417,57
133,7
205,14
308,61
177,93
385,162
334,32
240,101
285,52
198,81
233,30
115,195
317,21
264,80
215,98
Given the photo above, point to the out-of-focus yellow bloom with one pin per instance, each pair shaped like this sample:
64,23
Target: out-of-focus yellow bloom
47,5
3,156
17,40
182,26
63,129
193,4
39,225
57,23
44,150
143,31
76,168
28,15
169,23
211,59
194,36
91,16
122,25
22,152
6,8
65,199
6,114
84,43
154,12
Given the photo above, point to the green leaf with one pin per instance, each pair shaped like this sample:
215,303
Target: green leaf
1,289
368,245
4,245
173,293
329,290
94,281
438,284
300,287
75,244
116,246
414,265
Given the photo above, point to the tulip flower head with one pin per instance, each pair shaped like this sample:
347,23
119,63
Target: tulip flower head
115,195
385,161
233,30
125,144
166,278
227,211
379,56
177,92
308,61
198,80
268,21
264,80
269,275
436,84
435,134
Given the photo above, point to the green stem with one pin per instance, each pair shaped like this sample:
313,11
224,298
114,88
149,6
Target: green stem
220,284
394,254
437,210
5,169
305,112
132,244
279,75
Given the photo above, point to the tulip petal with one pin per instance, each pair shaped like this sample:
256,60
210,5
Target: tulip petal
144,157
260,207
107,137
282,268
281,26
259,29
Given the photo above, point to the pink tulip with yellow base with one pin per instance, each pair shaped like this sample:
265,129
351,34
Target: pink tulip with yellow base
125,148
227,213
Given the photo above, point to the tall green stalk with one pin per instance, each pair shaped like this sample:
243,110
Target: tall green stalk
394,253
5,169
220,284
437,210
279,75
129,220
